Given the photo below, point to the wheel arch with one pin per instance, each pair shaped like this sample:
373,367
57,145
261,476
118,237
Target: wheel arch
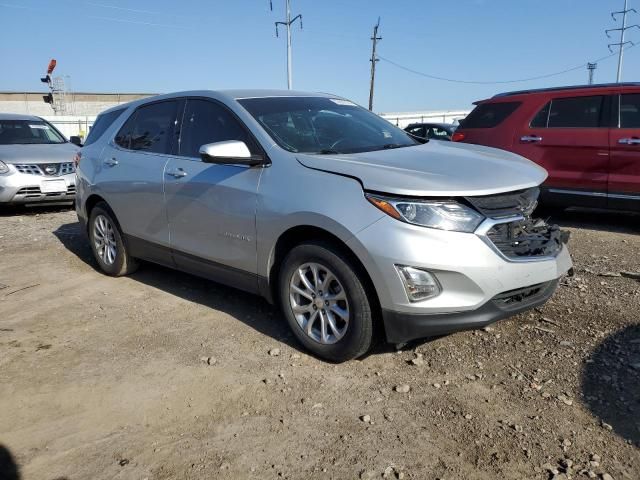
304,233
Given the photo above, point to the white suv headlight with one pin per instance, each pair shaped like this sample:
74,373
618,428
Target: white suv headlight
3,168
440,214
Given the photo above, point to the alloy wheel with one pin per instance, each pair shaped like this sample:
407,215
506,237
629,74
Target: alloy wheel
319,303
104,239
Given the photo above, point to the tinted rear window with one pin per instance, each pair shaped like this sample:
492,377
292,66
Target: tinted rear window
102,123
630,110
576,112
489,115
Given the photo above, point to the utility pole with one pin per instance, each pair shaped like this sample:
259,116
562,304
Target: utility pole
591,68
622,31
374,60
289,21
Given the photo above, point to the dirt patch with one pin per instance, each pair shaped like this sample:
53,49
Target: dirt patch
162,375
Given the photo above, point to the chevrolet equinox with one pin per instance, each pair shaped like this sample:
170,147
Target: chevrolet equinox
351,225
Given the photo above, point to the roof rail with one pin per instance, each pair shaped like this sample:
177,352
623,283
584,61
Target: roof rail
569,87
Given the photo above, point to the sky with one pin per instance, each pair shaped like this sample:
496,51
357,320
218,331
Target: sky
167,45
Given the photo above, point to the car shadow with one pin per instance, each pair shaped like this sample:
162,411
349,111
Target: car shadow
8,468
593,219
251,309
611,383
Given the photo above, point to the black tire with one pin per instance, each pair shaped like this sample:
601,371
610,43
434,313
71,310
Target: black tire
359,334
123,263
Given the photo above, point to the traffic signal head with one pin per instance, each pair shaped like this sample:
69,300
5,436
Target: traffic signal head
48,98
46,79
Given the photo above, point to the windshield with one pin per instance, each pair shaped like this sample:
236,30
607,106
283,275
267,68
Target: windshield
21,132
324,125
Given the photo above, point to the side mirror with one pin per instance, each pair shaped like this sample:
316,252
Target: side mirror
230,152
76,140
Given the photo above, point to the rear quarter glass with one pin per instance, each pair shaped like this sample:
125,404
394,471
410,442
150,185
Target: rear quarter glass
489,115
102,124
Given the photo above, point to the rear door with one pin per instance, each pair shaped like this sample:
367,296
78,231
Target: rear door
131,179
569,137
211,208
624,174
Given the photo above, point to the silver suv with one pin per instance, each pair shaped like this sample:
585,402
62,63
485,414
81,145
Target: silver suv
36,161
348,223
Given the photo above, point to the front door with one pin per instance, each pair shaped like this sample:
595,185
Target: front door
624,175
569,138
211,208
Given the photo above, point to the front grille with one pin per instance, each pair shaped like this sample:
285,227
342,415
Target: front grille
67,168
34,192
527,238
29,169
515,234
29,192
55,169
520,202
515,298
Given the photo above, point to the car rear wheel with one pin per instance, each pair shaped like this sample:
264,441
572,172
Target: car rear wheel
325,302
107,243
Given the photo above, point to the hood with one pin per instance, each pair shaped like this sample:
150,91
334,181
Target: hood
434,169
38,153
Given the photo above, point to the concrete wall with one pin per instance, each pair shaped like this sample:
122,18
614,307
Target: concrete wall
31,103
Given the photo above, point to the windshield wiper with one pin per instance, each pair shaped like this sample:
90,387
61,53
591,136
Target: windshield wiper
328,151
389,146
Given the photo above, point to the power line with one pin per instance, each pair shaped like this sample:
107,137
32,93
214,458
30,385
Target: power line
495,82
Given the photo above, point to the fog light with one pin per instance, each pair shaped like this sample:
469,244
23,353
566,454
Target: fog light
419,284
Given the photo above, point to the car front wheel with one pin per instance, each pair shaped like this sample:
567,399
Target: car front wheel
325,302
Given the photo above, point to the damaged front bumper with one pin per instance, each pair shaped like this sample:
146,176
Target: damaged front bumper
519,238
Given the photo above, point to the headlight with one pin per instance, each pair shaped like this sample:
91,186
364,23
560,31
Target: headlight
440,214
3,168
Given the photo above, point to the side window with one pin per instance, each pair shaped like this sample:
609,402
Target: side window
576,112
102,123
438,133
417,131
153,126
489,115
630,110
208,122
540,120
123,137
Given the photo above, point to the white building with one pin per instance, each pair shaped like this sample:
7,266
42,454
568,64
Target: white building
402,119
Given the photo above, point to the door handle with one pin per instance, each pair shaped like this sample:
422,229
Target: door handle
629,141
531,139
179,173
111,162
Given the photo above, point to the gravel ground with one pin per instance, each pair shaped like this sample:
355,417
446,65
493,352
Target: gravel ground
162,375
